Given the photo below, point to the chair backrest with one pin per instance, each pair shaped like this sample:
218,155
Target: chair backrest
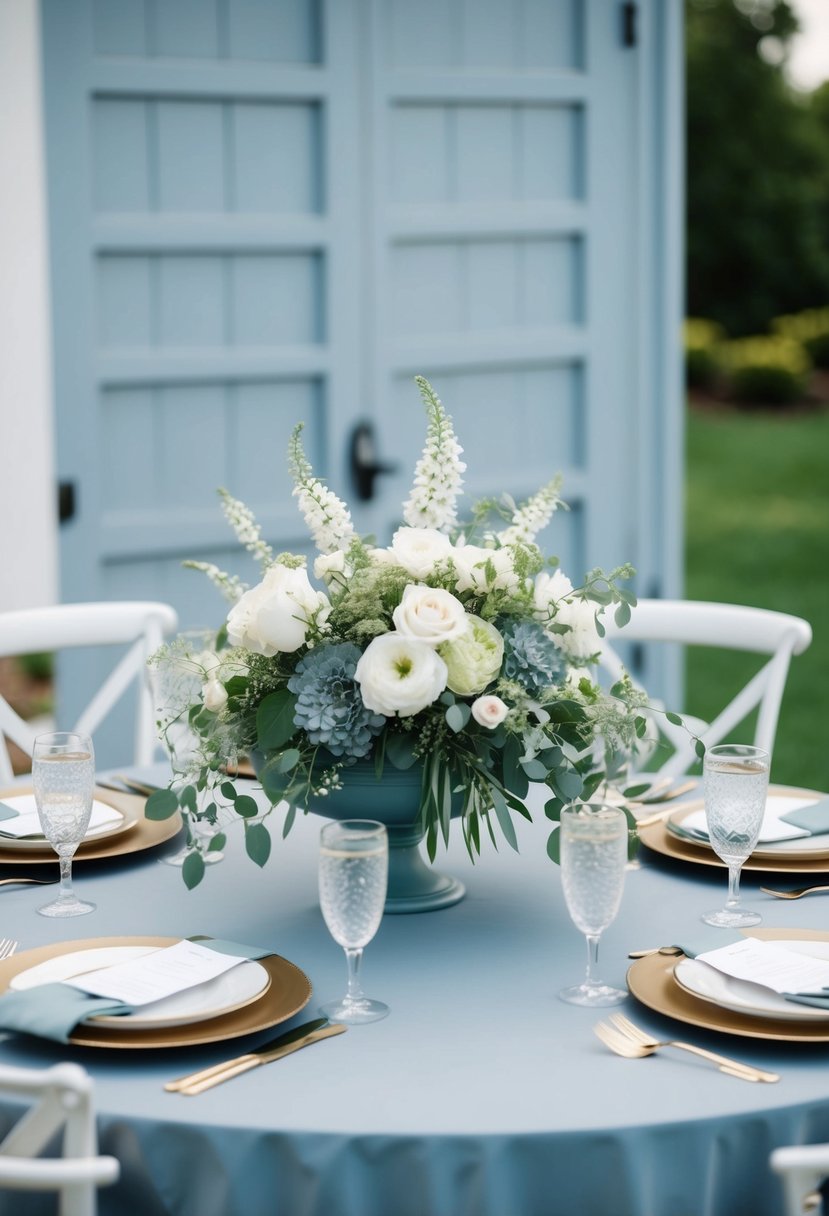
729,626
140,624
62,1100
802,1168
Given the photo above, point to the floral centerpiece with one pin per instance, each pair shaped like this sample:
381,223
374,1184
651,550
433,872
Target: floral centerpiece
459,651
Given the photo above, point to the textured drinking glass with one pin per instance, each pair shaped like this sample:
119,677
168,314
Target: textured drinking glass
177,679
594,849
736,781
618,762
63,775
353,876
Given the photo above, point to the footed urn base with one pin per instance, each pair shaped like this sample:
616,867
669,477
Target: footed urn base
394,800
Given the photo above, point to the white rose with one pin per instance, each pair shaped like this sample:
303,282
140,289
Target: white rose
399,676
214,696
275,615
418,550
429,614
489,711
332,568
484,569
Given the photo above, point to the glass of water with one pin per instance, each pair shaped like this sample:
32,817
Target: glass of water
63,775
353,876
735,780
594,849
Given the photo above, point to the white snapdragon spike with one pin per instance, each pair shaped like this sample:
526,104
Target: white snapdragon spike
437,480
326,516
248,532
231,587
533,515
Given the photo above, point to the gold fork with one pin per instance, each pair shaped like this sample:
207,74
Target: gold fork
628,1040
796,893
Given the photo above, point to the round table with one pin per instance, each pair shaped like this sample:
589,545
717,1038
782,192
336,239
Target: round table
481,1094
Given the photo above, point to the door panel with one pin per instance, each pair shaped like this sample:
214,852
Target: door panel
265,211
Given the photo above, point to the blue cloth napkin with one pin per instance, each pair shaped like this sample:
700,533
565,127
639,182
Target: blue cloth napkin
52,1011
813,819
7,812
703,942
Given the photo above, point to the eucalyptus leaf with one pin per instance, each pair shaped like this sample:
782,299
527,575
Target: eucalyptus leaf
287,761
699,748
400,751
535,770
162,804
289,821
246,806
193,869
217,843
455,718
258,843
187,798
554,846
553,808
674,718
569,784
229,790
622,615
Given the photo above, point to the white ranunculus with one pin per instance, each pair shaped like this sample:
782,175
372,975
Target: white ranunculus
581,641
429,614
274,617
483,570
332,568
418,550
214,696
548,589
489,711
398,675
473,660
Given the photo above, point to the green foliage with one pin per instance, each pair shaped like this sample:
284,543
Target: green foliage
765,370
37,666
810,329
702,341
757,172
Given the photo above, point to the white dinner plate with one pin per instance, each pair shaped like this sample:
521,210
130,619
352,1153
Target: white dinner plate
120,821
804,847
231,990
741,996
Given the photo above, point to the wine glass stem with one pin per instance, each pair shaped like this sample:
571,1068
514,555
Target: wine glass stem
65,891
354,958
590,978
733,900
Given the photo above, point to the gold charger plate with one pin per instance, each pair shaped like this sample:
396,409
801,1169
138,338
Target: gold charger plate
142,834
761,852
658,839
289,991
651,980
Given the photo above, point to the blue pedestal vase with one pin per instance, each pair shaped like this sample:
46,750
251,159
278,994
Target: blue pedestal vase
394,800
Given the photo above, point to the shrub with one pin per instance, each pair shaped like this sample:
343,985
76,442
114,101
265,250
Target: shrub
37,666
765,370
702,340
810,329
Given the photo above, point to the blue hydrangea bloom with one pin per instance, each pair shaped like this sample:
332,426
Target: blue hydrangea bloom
329,705
531,658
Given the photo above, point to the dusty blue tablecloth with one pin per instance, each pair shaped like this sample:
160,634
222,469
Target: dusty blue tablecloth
480,1095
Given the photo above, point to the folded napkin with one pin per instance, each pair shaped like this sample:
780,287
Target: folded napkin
21,821
767,963
785,819
52,1011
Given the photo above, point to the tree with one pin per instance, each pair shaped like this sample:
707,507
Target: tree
757,170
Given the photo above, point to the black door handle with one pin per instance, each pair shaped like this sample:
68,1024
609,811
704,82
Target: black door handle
365,466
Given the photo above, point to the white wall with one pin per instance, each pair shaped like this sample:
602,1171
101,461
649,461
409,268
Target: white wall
28,531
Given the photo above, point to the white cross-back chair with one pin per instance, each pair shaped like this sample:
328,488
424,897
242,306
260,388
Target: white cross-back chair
802,1168
140,624
62,1099
729,626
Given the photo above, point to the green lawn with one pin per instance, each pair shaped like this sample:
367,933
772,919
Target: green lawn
757,532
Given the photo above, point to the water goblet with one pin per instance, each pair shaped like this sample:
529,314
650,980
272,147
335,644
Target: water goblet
735,781
594,848
353,876
63,775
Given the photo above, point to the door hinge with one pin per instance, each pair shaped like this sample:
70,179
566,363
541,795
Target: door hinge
629,15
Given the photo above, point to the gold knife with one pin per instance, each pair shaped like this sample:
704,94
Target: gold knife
197,1082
